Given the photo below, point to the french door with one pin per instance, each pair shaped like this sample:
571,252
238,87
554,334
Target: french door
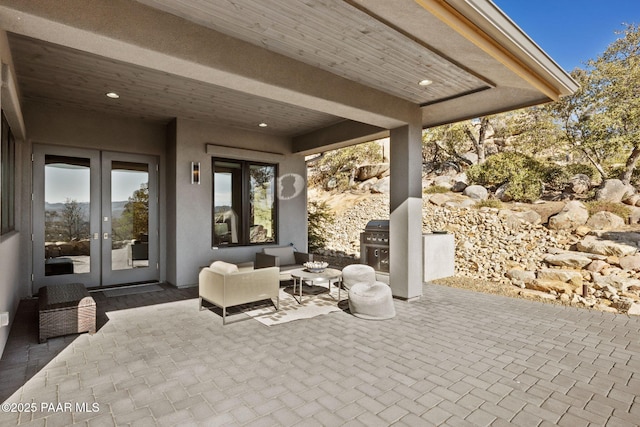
95,217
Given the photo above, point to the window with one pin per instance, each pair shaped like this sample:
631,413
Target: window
7,179
244,203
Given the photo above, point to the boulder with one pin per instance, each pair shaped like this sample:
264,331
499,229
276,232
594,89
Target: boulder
634,215
582,230
621,283
573,214
462,177
614,190
366,185
568,259
366,172
634,309
382,186
443,181
438,199
471,156
458,186
519,275
630,262
605,221
592,244
501,193
562,275
605,308
477,192
551,286
531,217
597,266
534,294
580,183
632,200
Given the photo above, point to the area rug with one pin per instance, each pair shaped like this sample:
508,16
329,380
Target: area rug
313,304
131,290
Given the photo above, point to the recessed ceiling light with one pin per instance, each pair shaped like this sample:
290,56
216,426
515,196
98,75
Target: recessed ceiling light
425,82
113,95
263,125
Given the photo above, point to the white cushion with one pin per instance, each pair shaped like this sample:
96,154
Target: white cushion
223,267
372,301
285,254
356,273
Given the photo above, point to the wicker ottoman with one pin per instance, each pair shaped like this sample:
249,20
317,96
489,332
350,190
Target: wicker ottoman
65,309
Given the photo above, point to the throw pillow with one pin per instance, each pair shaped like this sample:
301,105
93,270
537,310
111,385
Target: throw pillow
223,267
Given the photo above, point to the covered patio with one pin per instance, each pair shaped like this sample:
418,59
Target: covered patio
174,88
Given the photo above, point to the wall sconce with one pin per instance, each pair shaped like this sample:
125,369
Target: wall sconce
195,172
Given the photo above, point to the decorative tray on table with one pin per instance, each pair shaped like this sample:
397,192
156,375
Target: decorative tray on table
315,266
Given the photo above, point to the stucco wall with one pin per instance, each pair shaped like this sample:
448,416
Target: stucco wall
13,283
194,202
54,125
85,129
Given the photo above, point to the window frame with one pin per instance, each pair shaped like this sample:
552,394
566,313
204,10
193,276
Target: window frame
244,211
7,178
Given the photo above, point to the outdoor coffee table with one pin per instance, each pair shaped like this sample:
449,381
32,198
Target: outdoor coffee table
301,275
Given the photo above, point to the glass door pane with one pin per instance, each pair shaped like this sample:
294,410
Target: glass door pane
67,206
66,216
130,215
129,218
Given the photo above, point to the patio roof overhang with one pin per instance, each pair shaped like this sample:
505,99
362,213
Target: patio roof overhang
323,73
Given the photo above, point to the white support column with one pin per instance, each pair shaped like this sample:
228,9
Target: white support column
405,227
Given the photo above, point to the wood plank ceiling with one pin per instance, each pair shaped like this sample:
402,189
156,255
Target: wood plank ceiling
333,35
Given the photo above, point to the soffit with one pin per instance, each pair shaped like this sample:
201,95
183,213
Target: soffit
337,36
62,76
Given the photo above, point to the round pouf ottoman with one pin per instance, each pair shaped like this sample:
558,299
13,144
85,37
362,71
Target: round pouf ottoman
356,273
371,301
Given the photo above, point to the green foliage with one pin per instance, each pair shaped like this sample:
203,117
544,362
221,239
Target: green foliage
523,174
319,215
134,220
341,163
532,130
525,186
488,203
615,208
582,168
444,143
433,189
602,119
500,168
556,177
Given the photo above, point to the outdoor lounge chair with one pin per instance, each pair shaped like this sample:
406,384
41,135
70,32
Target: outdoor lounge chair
225,285
286,258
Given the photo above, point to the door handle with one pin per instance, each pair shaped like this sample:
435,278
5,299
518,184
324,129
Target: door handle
96,236
106,236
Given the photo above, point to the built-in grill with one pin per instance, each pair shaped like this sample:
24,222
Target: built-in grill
374,245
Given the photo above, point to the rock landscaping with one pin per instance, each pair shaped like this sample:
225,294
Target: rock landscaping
573,259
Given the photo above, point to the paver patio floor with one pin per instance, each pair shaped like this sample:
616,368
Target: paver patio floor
453,357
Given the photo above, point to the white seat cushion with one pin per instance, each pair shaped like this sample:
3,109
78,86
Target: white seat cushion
356,273
371,301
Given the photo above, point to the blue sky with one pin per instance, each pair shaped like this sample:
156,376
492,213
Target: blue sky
572,31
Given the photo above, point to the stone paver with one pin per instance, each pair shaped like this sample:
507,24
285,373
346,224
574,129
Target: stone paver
451,358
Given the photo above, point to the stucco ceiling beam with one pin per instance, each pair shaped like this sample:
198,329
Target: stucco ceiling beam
133,33
340,135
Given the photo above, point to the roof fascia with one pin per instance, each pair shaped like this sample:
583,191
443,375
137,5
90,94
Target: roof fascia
488,28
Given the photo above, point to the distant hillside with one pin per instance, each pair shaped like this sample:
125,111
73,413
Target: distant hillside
117,207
